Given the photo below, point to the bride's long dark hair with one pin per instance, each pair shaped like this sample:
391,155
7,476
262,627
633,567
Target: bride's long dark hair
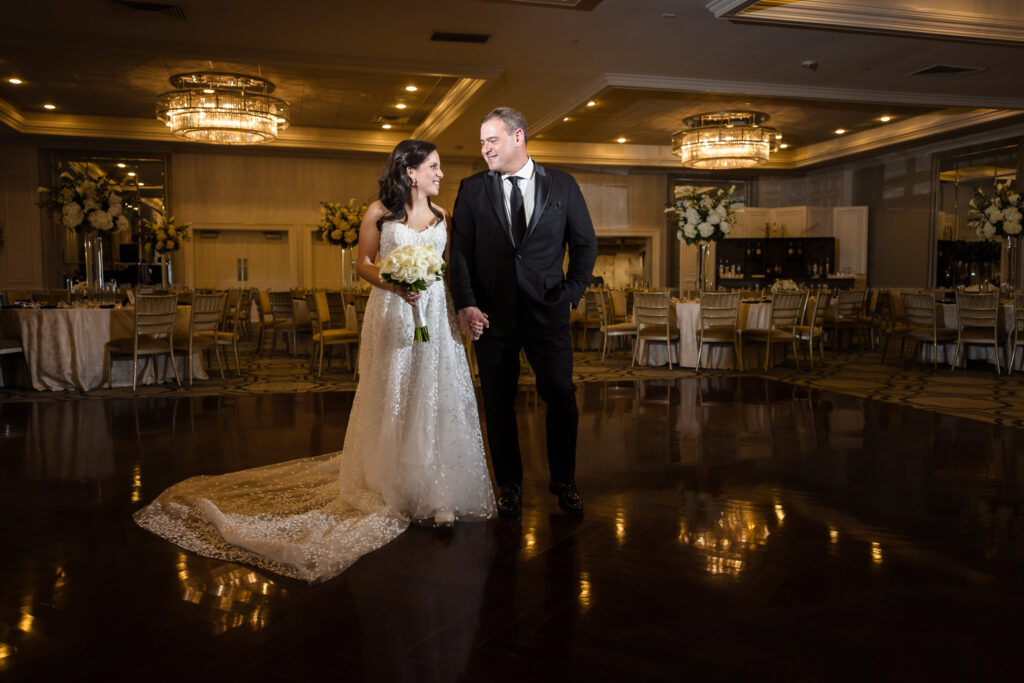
395,185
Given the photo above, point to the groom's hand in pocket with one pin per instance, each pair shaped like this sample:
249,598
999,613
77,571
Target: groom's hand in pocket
473,321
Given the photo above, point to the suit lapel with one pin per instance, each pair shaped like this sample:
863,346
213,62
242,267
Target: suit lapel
542,186
497,201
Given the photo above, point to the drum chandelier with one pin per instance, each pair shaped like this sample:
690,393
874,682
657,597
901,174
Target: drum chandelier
222,108
725,139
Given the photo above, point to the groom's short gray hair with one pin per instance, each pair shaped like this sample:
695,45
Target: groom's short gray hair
512,118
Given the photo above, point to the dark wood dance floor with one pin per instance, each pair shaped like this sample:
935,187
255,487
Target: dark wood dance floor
735,527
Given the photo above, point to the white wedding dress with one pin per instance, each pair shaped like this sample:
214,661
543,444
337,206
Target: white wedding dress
413,451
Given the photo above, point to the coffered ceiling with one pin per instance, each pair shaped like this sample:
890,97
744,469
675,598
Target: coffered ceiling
646,64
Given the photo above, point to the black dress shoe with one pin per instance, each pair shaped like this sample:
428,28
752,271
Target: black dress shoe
510,501
568,497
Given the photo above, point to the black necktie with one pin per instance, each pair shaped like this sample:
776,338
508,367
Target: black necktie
517,211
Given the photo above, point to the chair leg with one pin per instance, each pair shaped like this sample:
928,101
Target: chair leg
700,350
174,364
234,346
738,347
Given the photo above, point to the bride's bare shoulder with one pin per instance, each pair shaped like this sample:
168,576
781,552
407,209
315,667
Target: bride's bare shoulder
376,210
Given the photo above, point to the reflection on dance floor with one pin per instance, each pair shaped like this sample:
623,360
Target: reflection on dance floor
734,526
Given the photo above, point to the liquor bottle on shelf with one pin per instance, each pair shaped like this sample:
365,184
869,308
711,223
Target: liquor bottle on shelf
828,265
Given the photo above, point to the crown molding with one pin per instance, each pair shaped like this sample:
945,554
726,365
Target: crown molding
876,19
449,109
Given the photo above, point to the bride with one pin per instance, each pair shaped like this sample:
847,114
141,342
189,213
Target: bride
413,449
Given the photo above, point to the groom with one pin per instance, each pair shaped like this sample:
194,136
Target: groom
511,227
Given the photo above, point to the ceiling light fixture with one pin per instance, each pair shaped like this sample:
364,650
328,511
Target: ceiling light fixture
386,126
50,106
724,139
15,81
620,140
591,103
400,105
222,108
410,88
840,131
885,119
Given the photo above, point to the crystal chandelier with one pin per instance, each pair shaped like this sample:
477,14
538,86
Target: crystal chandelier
725,139
222,108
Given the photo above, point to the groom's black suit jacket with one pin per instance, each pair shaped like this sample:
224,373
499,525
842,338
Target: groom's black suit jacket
505,280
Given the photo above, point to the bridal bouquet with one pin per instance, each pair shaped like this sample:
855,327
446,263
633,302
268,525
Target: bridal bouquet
339,223
415,267
998,215
163,237
702,215
85,204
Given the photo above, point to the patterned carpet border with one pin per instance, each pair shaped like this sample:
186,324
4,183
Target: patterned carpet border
975,393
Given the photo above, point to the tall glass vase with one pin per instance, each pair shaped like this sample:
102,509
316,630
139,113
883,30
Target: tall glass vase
348,280
166,271
702,262
92,256
1012,262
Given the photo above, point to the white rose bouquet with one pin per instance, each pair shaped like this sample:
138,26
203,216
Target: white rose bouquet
998,215
415,267
163,237
702,214
339,223
84,204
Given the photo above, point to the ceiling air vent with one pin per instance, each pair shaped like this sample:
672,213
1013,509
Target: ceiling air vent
446,37
946,70
124,8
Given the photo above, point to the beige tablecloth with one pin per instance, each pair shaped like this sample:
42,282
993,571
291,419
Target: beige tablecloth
65,347
684,352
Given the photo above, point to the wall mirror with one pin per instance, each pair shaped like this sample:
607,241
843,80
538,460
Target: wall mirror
143,183
962,258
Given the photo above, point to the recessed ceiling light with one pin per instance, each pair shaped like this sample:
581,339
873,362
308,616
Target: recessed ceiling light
140,183
400,105
49,106
778,136
15,81
783,146
620,140
840,131
591,103
131,174
120,165
565,118
410,88
386,126
209,91
885,119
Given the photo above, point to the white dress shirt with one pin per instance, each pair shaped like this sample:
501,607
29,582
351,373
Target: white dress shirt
526,186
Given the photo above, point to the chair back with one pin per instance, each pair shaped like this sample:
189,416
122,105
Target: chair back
977,310
154,314
850,303
359,300
719,310
335,307
816,308
593,305
1018,312
651,308
263,305
786,310
319,315
351,321
281,305
206,312
230,304
919,308
618,304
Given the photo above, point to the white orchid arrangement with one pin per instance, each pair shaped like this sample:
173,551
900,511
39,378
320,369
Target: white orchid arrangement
163,237
339,223
702,214
84,204
998,215
415,267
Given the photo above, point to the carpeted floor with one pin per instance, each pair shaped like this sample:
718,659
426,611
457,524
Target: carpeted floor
975,393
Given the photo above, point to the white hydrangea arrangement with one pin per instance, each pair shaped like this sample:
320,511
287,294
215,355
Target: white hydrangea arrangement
339,223
785,286
415,267
702,214
998,215
164,237
84,204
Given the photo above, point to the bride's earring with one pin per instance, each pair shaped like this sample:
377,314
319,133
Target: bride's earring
414,182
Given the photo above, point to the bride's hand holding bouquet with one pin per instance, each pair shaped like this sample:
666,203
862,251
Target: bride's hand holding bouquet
414,267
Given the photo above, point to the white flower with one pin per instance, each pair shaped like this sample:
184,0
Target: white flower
72,215
101,220
692,216
725,227
713,218
989,230
122,224
1012,227
706,229
1011,215
1014,199
689,230
115,205
993,213
91,205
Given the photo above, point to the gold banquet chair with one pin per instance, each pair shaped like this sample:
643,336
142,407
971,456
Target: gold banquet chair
977,317
718,323
325,335
204,321
609,326
1018,328
653,322
153,335
783,318
814,329
922,324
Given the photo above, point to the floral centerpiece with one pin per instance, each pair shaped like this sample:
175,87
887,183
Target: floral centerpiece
163,237
416,267
785,286
702,214
84,204
998,215
339,223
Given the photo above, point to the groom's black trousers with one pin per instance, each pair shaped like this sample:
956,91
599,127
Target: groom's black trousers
549,351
